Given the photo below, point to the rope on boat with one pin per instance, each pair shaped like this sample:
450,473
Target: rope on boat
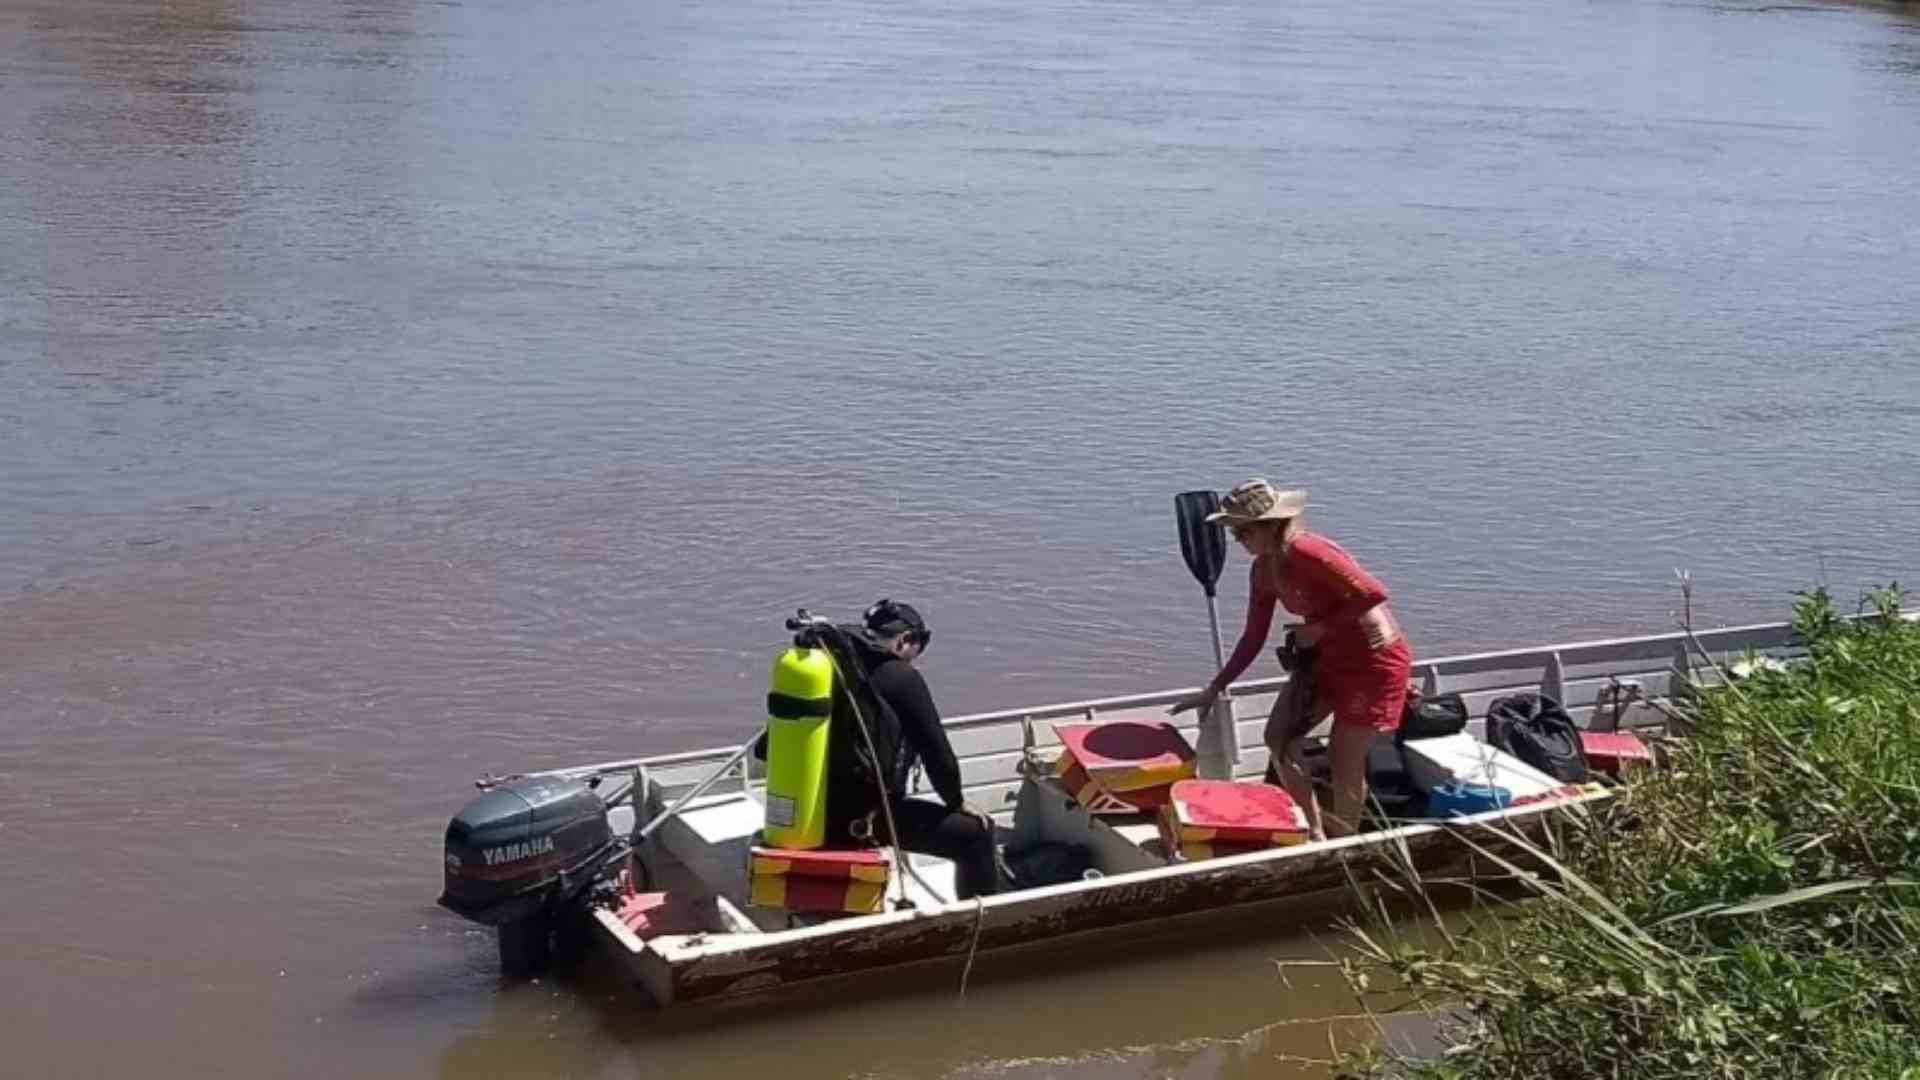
979,919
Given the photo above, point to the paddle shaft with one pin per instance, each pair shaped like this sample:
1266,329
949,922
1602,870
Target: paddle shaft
1219,748
1213,623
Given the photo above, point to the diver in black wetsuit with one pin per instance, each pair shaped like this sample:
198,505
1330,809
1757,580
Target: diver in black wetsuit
892,636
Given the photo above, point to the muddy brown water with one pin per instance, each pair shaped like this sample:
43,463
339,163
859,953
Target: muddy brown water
393,392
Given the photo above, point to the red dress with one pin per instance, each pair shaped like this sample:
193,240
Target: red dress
1318,581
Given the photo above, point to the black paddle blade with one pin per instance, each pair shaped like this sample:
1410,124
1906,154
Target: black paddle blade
1204,546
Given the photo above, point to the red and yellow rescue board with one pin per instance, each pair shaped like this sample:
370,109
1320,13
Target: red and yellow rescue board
1208,818
1124,766
850,881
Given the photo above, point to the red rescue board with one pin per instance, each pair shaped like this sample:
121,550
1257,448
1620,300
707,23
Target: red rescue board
1609,751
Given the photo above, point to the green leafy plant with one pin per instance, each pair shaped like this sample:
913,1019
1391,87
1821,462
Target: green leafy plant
1752,910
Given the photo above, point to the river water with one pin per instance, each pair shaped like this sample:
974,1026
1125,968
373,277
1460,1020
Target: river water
394,391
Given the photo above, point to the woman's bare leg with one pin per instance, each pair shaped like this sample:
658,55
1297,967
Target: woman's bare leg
1299,785
1284,738
1347,751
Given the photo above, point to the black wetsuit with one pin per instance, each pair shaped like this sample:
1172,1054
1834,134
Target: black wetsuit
942,828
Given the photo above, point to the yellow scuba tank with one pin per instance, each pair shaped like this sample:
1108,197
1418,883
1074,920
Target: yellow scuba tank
799,709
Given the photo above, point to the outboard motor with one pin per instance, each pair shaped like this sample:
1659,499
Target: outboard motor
520,854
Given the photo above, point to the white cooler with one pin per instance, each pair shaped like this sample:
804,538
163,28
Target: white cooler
1463,759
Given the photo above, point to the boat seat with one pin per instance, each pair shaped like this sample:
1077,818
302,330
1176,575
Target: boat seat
711,838
1141,834
939,875
1048,814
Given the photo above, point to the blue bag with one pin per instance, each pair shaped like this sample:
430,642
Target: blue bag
1459,800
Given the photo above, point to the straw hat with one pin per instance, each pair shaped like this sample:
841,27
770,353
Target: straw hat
1259,500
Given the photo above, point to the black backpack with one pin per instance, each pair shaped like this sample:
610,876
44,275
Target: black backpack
1535,729
851,769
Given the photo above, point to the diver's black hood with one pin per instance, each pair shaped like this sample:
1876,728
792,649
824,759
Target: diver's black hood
887,617
866,648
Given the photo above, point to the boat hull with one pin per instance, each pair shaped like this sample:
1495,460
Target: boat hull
678,969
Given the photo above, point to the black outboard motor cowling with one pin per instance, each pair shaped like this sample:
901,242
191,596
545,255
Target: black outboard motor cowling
523,846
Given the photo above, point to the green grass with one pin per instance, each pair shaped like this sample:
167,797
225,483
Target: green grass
1750,911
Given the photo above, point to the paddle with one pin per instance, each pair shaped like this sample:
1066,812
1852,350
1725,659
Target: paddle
1204,546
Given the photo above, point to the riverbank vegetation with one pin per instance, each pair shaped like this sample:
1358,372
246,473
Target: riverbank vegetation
1751,910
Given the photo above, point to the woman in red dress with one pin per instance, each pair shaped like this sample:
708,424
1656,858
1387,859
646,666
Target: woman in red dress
1361,662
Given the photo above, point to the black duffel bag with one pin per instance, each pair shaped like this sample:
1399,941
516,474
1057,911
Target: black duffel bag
1535,729
1432,717
1046,864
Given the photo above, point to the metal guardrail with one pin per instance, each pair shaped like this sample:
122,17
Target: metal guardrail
1551,660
